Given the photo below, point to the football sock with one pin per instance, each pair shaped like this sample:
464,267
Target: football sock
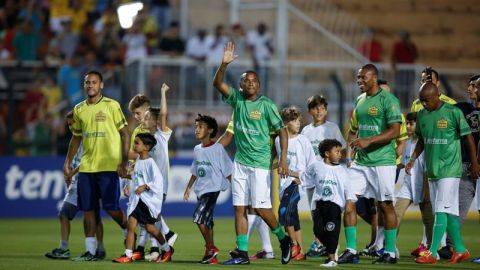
453,228
351,238
439,229
279,232
63,244
242,242
264,233
390,239
91,244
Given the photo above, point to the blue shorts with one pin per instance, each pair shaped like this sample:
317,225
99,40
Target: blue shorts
93,187
68,210
288,209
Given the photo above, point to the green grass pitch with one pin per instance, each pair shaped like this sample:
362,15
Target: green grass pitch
25,241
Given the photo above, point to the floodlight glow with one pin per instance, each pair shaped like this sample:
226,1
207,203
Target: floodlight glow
127,13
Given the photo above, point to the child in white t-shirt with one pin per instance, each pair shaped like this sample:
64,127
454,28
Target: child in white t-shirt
330,196
211,167
299,156
145,201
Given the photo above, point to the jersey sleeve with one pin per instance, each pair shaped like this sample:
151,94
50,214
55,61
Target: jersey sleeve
392,110
354,122
274,119
230,126
403,130
233,95
166,134
76,127
118,117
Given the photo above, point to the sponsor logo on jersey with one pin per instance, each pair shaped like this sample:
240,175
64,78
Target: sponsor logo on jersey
373,111
255,115
442,123
100,117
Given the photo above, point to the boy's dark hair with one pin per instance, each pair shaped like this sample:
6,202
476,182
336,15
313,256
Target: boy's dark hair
474,77
95,73
327,145
211,123
411,117
155,112
147,139
429,71
138,101
316,100
289,114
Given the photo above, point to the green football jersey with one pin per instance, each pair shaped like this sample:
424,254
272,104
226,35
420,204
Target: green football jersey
371,117
440,131
253,121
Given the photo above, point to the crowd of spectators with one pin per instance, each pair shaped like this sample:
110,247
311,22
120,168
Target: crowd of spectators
80,35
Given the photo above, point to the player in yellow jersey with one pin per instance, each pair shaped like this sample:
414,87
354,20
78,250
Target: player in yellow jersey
101,127
430,74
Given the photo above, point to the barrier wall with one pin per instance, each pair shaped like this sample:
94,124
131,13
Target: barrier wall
33,187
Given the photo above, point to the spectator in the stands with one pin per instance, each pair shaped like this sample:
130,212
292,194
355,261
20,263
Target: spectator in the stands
66,39
371,47
26,42
70,80
135,43
161,10
404,52
171,43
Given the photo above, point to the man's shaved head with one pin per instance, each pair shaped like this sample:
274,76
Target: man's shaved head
429,96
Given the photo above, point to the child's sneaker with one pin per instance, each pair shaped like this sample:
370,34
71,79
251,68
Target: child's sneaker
459,257
210,253
123,259
262,254
295,250
316,250
329,263
85,257
421,248
138,255
166,256
58,253
153,256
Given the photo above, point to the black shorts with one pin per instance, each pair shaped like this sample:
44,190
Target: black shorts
205,206
142,214
327,218
288,209
366,206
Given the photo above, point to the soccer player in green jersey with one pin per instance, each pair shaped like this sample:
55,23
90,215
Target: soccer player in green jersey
372,174
439,129
254,116
101,127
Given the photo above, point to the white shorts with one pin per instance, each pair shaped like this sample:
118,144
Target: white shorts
444,195
376,182
251,186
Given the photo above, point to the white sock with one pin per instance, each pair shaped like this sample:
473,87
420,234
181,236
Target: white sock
252,223
264,233
63,244
424,237
164,228
392,254
165,246
153,242
142,239
380,237
353,251
444,240
91,244
129,253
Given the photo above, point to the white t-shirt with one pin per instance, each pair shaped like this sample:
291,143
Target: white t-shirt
196,47
412,186
259,43
136,46
327,130
160,154
330,184
147,172
299,156
72,195
215,48
211,165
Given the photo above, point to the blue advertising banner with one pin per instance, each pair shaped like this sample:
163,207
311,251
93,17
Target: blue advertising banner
34,187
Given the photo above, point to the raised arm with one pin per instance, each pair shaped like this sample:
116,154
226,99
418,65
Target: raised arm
228,57
163,108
